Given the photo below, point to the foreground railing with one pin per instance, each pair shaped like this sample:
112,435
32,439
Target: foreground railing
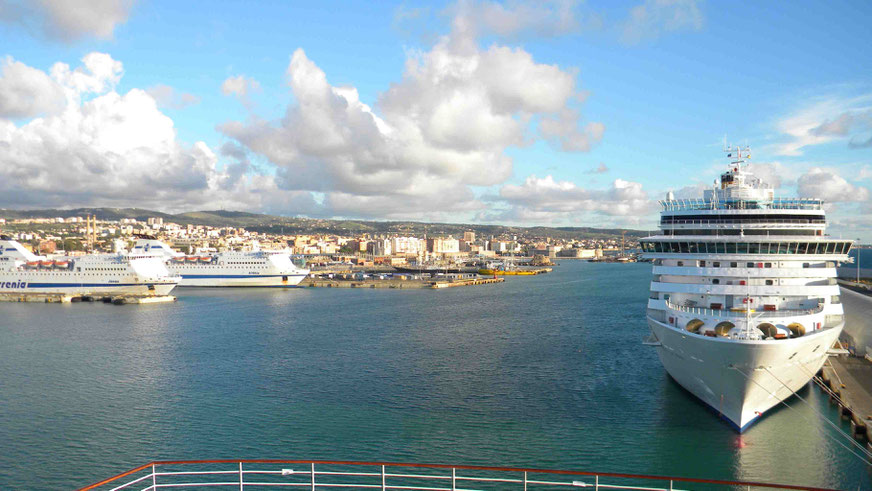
263,473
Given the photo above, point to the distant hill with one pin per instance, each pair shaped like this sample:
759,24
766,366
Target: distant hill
295,225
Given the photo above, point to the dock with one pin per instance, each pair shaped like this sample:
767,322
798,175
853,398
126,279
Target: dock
847,379
398,284
469,282
68,298
850,382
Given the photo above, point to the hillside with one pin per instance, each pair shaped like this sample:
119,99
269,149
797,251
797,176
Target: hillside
295,225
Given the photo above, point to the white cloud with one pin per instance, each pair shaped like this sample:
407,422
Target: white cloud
652,18
240,86
827,119
601,169
563,128
827,185
112,149
443,128
26,92
169,97
775,173
68,20
565,201
546,18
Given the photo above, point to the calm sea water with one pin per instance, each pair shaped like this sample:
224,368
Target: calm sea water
545,371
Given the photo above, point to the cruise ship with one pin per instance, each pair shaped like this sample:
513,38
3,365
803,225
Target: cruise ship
231,268
744,303
22,271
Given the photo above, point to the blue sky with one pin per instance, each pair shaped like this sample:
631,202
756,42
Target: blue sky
555,113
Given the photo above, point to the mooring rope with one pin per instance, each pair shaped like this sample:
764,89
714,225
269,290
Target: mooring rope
782,401
867,453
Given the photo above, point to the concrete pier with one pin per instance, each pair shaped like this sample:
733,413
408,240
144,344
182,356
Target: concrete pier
849,378
399,284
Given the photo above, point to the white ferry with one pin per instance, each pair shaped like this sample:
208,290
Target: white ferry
21,271
744,303
232,268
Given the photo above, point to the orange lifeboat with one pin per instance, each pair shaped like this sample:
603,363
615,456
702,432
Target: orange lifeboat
46,264
62,264
192,259
206,259
32,264
179,259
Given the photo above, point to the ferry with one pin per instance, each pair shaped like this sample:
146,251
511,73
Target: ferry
22,271
256,268
744,304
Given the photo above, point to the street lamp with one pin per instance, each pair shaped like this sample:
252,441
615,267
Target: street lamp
858,260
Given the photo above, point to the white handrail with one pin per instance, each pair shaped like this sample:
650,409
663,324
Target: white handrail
380,479
730,313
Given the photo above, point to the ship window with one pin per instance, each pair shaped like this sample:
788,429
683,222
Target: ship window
742,248
767,265
802,248
768,282
721,248
749,265
734,264
716,281
681,263
716,264
731,247
702,264
754,248
806,265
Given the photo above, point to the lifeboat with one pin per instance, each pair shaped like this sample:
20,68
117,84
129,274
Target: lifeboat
62,264
769,330
783,332
179,259
206,259
723,328
694,325
192,259
46,264
32,264
796,329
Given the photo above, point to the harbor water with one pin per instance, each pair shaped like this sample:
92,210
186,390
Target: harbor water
544,371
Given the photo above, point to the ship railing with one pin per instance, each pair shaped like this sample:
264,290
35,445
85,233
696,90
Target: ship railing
703,311
314,474
742,204
761,222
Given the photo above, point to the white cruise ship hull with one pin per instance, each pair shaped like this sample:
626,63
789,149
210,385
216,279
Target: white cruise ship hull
741,380
82,288
230,280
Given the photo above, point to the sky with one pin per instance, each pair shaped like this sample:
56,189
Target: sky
563,113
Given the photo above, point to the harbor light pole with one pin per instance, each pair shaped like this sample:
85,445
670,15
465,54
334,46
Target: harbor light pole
858,260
